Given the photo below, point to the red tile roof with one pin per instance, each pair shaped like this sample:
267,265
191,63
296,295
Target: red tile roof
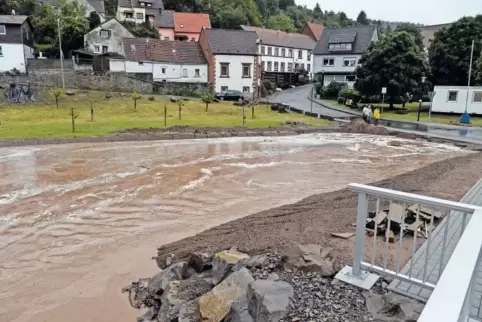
316,29
191,22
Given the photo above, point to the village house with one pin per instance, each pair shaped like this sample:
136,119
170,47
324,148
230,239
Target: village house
284,55
184,26
16,43
314,30
139,11
107,38
90,6
167,61
338,53
232,57
428,33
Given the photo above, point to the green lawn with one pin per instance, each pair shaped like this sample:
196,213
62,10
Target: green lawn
412,115
44,119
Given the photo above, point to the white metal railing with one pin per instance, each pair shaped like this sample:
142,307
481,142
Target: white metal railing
451,300
450,264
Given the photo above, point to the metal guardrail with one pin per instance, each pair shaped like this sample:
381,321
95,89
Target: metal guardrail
451,300
392,196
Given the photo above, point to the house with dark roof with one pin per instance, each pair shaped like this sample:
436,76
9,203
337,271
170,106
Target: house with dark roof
184,26
90,5
16,43
338,53
283,52
107,37
167,61
232,56
139,11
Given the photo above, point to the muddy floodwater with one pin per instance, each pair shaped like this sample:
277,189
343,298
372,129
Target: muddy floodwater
80,221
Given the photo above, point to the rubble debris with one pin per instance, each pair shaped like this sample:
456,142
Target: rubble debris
360,126
314,258
343,235
393,308
268,301
19,93
224,261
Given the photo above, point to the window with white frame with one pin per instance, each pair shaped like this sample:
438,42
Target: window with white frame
224,88
1,51
163,70
308,67
276,51
290,67
282,67
197,72
245,89
104,33
328,62
140,16
350,78
290,53
3,30
262,65
246,70
276,66
297,66
283,52
477,98
452,96
349,62
105,49
309,56
263,50
224,69
269,66
97,49
184,72
270,51
300,54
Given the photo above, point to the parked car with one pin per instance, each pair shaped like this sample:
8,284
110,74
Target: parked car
229,95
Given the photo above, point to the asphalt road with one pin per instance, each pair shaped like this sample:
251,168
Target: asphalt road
296,97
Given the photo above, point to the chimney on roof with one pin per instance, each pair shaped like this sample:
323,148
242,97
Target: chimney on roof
13,12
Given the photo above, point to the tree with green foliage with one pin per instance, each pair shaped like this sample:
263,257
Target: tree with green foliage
413,30
395,62
21,7
478,72
362,18
94,20
299,16
449,52
317,12
281,22
73,24
283,4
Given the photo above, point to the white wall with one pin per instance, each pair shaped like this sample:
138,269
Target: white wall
235,81
114,42
285,59
12,57
117,65
441,103
173,73
338,66
136,67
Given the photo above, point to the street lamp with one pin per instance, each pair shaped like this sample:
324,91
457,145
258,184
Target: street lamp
420,100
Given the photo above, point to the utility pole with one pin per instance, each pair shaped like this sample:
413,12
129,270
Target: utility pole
60,48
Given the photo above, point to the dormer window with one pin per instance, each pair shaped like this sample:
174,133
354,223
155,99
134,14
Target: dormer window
105,33
342,42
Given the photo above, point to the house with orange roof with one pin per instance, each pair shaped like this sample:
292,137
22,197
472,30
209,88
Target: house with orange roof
183,26
314,30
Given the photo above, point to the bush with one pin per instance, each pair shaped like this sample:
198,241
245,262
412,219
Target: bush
332,90
151,98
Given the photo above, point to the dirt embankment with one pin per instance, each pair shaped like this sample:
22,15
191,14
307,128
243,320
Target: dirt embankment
311,220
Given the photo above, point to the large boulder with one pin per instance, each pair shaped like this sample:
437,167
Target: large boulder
224,261
177,294
255,261
189,312
314,258
393,308
200,261
239,311
268,301
216,304
160,281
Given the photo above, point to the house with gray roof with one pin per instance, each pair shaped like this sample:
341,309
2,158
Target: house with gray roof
338,53
107,38
139,11
284,52
233,59
16,43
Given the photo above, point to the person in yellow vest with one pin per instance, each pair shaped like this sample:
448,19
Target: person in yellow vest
376,115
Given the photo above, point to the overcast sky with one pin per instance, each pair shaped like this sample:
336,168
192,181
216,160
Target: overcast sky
427,12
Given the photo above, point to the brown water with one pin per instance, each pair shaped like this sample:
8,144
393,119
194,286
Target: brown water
80,221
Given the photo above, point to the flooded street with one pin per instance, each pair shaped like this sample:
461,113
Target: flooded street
80,221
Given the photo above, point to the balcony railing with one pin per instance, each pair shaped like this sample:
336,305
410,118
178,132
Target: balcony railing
448,261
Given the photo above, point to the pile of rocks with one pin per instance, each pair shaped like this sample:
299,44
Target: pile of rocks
360,126
232,286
